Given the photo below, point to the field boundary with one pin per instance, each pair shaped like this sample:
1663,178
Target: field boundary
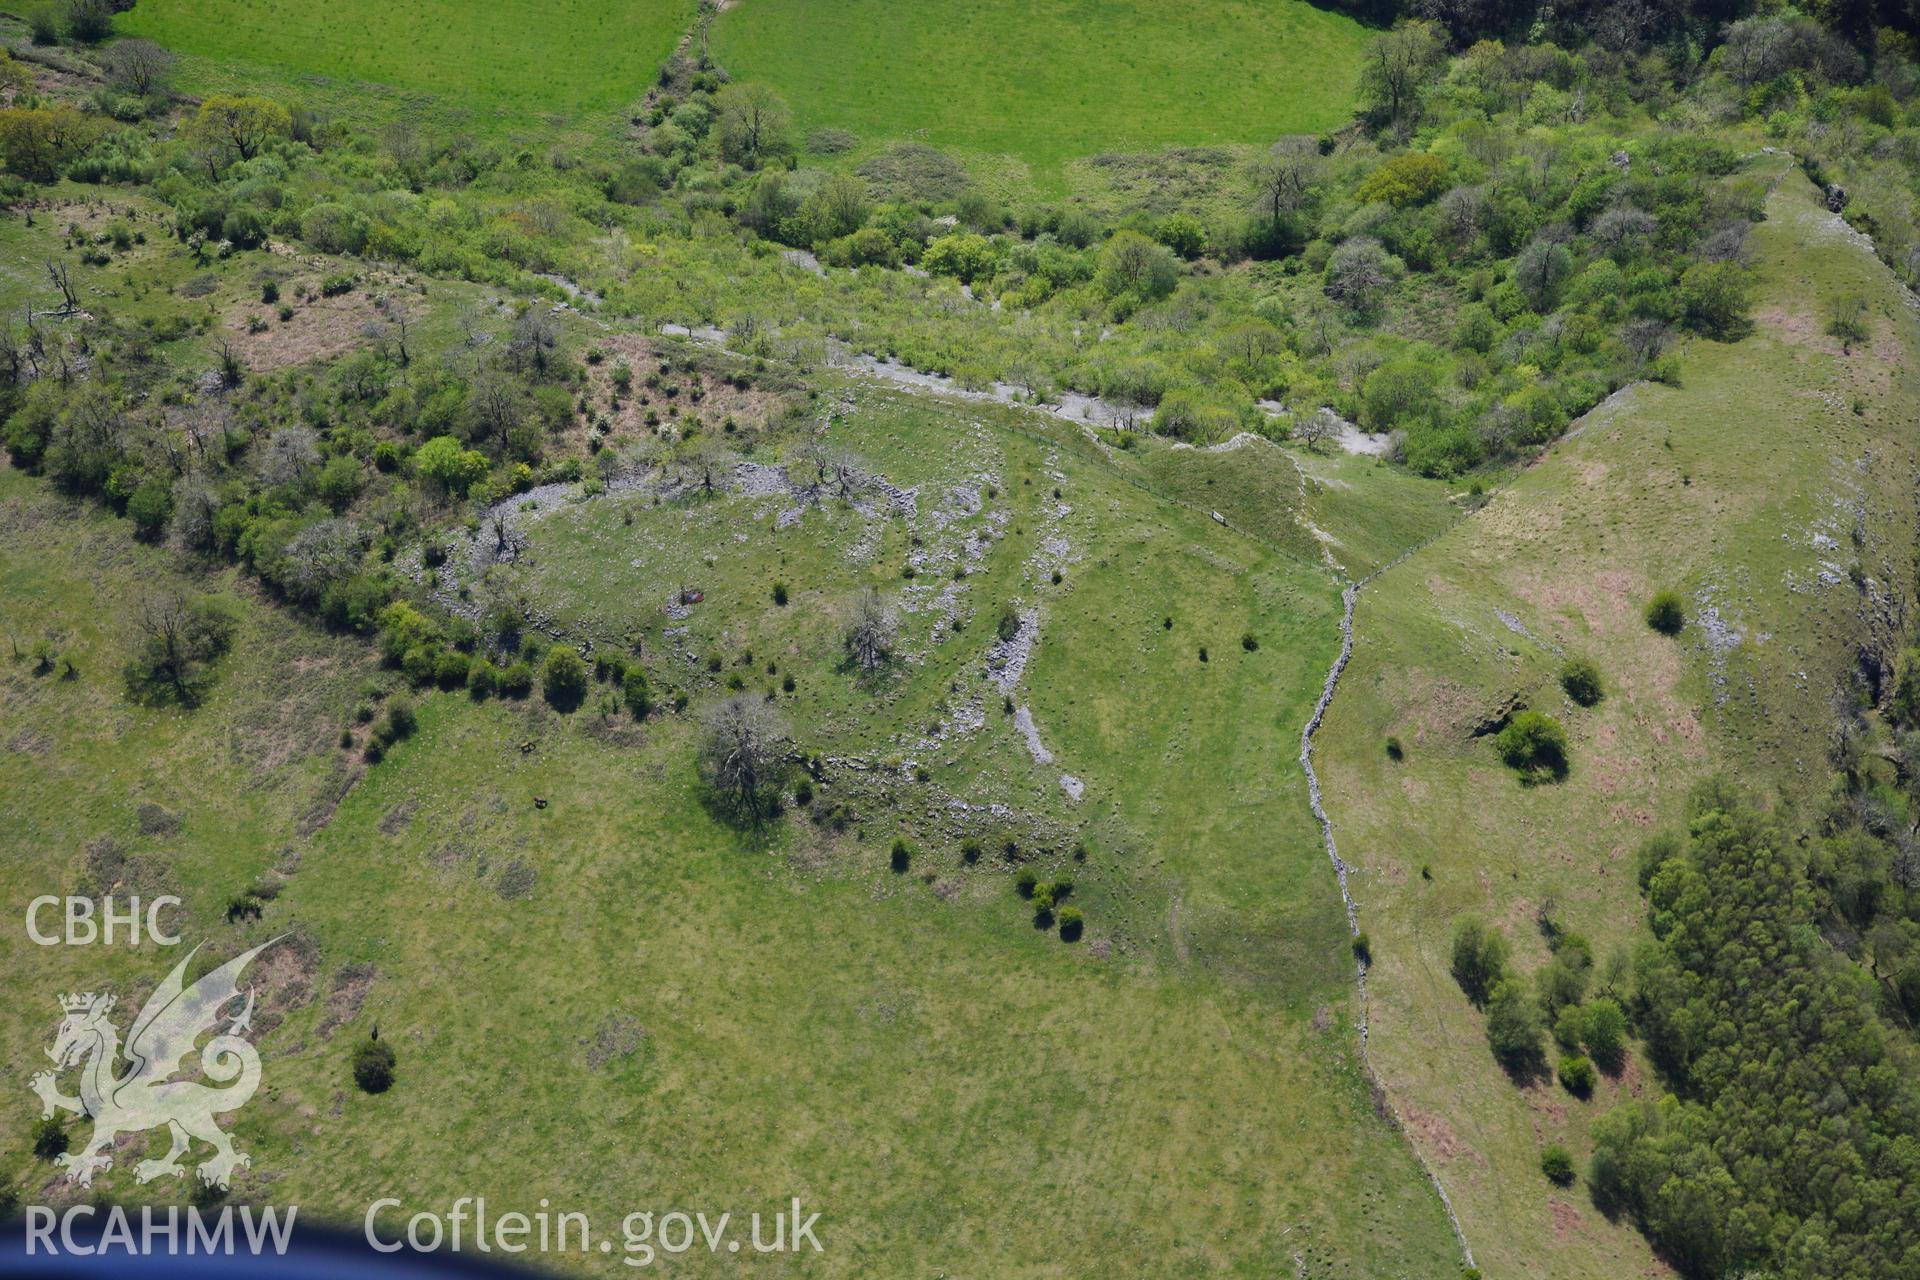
1383,1101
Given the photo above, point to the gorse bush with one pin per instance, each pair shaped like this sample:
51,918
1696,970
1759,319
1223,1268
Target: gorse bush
373,1065
1581,680
516,680
397,722
1479,958
1535,745
1513,1026
49,1138
1667,613
563,679
1556,1162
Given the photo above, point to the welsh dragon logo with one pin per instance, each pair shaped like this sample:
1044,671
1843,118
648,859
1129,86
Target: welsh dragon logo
146,1095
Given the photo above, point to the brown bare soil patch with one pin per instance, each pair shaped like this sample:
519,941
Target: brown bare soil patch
1793,325
350,989
321,329
719,400
1434,1134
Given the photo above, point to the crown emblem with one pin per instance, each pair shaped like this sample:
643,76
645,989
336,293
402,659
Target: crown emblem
84,1002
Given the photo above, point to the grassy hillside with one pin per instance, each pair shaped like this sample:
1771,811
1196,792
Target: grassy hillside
497,62
659,1010
1046,84
1753,488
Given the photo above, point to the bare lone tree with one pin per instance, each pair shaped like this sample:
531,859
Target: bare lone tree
138,67
742,752
179,642
62,276
506,543
1313,428
1283,177
870,632
838,469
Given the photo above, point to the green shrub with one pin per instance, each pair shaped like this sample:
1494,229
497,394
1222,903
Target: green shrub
1577,1075
637,691
1136,268
90,21
1667,613
516,681
1535,745
902,857
49,1139
1604,1031
450,465
1395,749
397,723
1654,851
149,506
1412,177
1071,924
373,1063
563,679
1183,233
1026,882
1581,680
43,21
452,669
1557,1163
1479,958
1513,1026
1847,320
1362,948
780,594
482,678
421,663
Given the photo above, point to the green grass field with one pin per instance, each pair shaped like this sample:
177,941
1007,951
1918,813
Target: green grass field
1046,84
786,1015
1741,488
499,62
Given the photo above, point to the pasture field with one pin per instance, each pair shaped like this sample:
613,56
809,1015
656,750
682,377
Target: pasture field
1045,84
502,65
1742,488
531,412
613,1000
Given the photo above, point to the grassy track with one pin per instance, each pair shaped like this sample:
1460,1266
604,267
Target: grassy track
498,61
1047,83
1733,488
